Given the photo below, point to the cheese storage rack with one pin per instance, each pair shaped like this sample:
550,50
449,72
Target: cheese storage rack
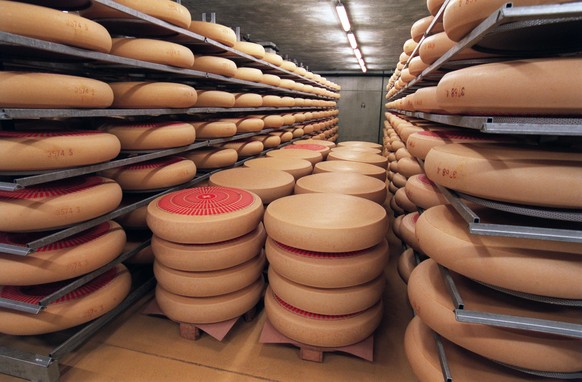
45,367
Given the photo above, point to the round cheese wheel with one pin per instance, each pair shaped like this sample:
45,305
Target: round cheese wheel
321,330
287,84
326,222
402,153
272,101
143,257
215,98
52,25
217,32
295,167
360,144
268,184
150,50
273,58
337,166
409,46
273,121
288,65
480,89
250,48
347,183
529,350
288,102
249,74
204,310
425,99
270,79
209,283
31,151
434,6
209,257
327,301
406,264
408,231
151,135
215,65
314,141
285,136
476,169
298,133
423,192
166,10
288,119
84,304
419,144
246,125
48,90
57,204
435,46
416,66
325,269
354,156
245,148
312,156
210,158
393,188
409,167
204,215
136,218
422,354
153,174
61,260
214,129
268,141
323,150
420,27
128,95
403,202
547,270
356,149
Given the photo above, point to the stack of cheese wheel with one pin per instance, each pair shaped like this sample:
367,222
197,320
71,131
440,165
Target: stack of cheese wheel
207,245
151,135
327,254
539,352
146,95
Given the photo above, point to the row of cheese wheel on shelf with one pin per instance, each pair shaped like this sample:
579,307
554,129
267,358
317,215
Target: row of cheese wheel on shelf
82,32
48,90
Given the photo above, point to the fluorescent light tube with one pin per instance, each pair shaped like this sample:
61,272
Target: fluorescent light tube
352,40
343,16
358,54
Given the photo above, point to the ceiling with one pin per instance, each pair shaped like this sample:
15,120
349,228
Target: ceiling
309,31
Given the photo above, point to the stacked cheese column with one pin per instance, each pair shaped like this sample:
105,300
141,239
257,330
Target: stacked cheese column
207,244
327,254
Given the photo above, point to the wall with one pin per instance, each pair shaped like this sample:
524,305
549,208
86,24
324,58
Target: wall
361,107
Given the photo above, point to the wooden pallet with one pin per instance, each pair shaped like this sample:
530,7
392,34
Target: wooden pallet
193,332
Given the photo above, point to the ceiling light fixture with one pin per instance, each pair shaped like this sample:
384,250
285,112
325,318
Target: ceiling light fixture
358,54
352,40
343,16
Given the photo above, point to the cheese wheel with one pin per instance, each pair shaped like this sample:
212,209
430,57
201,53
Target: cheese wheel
250,48
48,90
422,354
214,129
212,158
420,27
288,65
408,231
136,218
288,119
268,184
215,65
152,135
350,167
419,144
409,46
52,25
130,95
209,257
84,304
547,271
309,155
57,204
425,99
284,136
401,199
356,149
403,153
416,66
298,133
153,174
31,151
64,259
209,283
354,156
270,79
217,32
287,84
215,98
273,58
327,301
529,350
326,222
273,121
204,310
434,6
150,50
321,330
295,167
248,74
314,141
476,169
134,239
245,148
166,10
246,125
325,269
204,215
406,264
347,183
435,46
409,167
323,150
423,192
480,89
268,141
393,188
272,101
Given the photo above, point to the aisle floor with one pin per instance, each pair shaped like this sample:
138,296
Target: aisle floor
136,347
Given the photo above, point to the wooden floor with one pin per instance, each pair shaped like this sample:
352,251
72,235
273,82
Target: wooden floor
136,347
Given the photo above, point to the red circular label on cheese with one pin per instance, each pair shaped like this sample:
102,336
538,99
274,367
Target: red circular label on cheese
314,316
52,189
46,134
312,147
34,293
155,163
80,238
201,201
319,255
415,217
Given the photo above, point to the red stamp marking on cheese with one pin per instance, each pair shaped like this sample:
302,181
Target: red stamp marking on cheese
203,201
315,316
319,255
33,294
156,163
57,188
